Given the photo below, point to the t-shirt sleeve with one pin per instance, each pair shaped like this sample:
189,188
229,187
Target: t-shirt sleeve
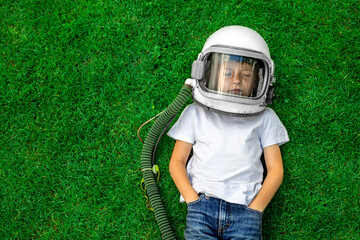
183,129
274,131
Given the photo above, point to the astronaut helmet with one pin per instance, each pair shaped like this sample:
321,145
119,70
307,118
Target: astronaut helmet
234,72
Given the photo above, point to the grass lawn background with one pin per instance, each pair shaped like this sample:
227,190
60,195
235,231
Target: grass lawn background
77,78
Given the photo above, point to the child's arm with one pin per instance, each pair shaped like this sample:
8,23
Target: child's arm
178,173
273,180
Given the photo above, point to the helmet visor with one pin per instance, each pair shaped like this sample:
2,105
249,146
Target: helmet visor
233,75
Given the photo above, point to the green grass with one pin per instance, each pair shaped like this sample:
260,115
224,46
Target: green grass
77,78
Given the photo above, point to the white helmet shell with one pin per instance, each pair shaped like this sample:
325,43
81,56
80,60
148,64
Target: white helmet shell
233,42
238,37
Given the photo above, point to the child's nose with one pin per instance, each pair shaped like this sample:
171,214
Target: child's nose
237,79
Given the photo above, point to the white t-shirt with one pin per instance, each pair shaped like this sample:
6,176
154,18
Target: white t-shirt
226,151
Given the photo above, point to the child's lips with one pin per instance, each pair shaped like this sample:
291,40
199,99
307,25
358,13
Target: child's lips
235,91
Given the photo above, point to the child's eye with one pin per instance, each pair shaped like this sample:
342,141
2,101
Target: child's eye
246,75
228,74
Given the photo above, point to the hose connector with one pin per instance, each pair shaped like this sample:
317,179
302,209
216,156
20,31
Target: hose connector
191,82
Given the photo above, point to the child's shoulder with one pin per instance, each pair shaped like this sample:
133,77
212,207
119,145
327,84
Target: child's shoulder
270,115
193,108
269,111
190,111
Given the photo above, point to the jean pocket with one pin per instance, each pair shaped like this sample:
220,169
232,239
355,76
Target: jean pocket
201,197
254,211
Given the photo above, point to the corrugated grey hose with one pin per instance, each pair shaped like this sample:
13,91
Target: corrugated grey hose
146,161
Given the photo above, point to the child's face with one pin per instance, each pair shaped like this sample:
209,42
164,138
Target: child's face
237,78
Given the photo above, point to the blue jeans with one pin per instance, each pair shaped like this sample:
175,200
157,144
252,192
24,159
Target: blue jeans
212,218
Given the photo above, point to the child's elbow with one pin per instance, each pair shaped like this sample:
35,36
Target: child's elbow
280,175
174,166
277,174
